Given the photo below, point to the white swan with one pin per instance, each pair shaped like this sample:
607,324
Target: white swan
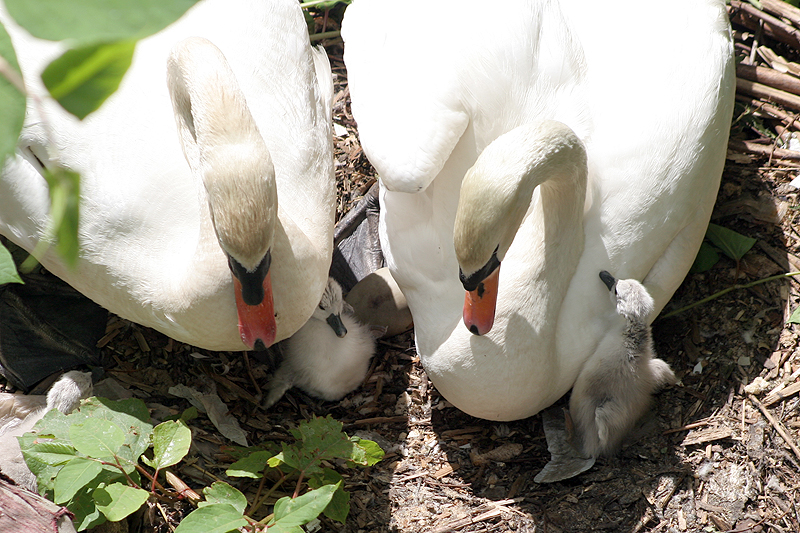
613,390
157,235
329,356
650,115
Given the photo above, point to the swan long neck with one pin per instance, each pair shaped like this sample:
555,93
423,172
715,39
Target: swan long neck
224,148
497,192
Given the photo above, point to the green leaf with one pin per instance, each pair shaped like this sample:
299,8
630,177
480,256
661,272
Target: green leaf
97,438
373,453
8,271
278,528
55,424
40,449
217,518
171,441
76,474
87,515
251,466
339,506
82,78
88,21
116,501
795,318
64,211
319,439
732,244
44,467
189,414
130,414
221,492
707,257
290,512
46,450
12,101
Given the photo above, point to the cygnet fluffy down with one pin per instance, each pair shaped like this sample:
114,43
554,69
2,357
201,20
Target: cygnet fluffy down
613,390
19,413
329,356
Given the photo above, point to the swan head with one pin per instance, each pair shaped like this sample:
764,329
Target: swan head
630,297
495,196
330,308
227,153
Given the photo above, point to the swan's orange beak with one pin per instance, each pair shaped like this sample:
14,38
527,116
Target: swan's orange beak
256,322
480,304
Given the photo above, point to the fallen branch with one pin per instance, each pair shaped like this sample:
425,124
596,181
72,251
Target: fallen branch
495,509
782,394
766,92
782,9
770,77
791,121
761,149
750,17
378,420
776,424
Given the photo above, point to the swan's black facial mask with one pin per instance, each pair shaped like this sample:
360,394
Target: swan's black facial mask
252,282
472,281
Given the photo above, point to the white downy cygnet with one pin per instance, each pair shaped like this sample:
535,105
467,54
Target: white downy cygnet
20,412
329,356
613,391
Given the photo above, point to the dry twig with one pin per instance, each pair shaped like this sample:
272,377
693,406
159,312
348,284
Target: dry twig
776,424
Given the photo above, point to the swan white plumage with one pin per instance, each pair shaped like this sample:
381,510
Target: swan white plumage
329,356
506,90
151,250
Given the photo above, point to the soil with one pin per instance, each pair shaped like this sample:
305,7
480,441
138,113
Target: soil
717,453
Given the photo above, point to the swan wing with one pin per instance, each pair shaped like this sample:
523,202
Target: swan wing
404,91
144,218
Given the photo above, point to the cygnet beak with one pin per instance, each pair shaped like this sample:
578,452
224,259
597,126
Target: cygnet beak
335,322
607,279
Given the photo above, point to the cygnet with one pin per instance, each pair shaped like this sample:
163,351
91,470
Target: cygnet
20,412
613,390
329,356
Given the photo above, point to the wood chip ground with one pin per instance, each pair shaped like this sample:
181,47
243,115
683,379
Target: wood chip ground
712,456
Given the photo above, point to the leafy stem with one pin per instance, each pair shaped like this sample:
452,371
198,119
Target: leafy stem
12,76
263,500
729,289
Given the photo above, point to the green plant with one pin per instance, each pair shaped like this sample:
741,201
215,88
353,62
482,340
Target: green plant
734,245
719,239
104,461
8,272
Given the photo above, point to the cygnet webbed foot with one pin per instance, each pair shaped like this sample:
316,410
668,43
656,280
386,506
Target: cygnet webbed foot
566,460
614,388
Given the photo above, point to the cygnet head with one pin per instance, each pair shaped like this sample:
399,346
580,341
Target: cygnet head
630,297
330,308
